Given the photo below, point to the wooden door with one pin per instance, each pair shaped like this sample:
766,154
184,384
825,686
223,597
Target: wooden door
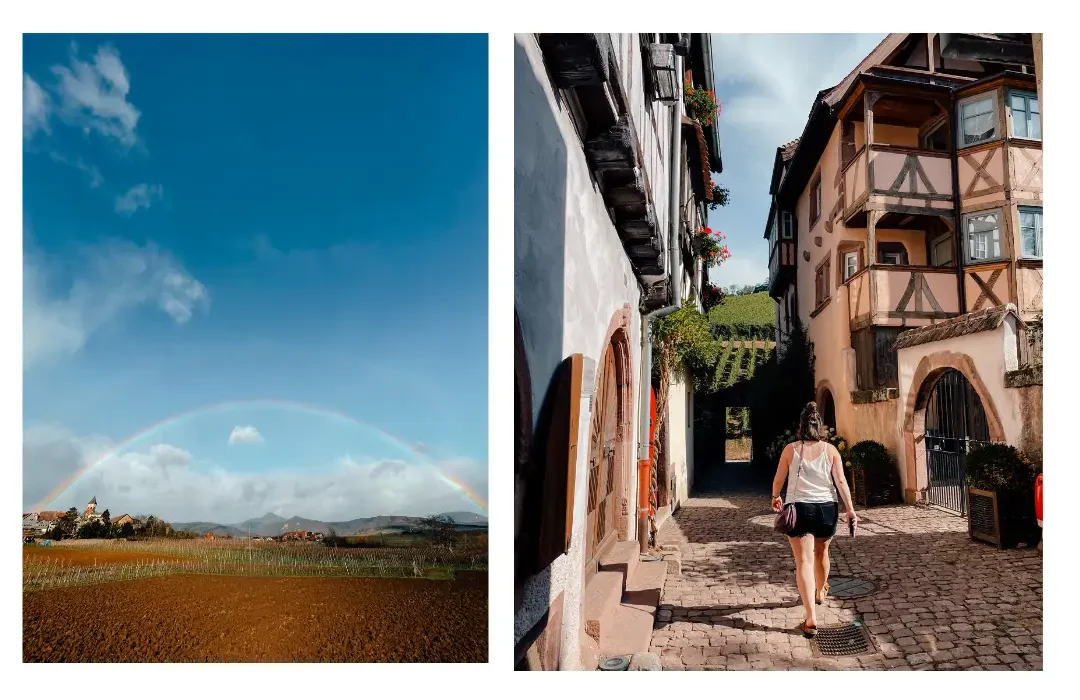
603,474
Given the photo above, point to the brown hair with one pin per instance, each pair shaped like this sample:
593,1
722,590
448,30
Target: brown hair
810,426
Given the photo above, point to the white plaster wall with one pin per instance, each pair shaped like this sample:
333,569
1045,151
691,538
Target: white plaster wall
571,276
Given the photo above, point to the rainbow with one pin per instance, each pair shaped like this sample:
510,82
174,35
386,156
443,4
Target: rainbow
445,476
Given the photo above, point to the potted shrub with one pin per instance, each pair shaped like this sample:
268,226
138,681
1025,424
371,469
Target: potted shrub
875,474
1001,495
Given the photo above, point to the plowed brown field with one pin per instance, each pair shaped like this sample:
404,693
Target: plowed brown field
92,557
244,618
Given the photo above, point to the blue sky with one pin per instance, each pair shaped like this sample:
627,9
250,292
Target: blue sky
766,84
224,218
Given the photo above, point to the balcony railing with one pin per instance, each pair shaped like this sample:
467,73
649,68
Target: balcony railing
898,178
902,295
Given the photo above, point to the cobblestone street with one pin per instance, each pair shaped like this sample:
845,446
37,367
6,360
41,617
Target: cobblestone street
941,600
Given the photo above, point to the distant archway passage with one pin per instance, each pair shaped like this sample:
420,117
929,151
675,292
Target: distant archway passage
955,422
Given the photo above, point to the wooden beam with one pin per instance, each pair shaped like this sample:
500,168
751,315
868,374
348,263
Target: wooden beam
1036,45
930,53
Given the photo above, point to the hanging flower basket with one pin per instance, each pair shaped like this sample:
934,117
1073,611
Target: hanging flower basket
700,104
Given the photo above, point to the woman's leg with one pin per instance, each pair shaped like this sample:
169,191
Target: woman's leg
803,550
821,564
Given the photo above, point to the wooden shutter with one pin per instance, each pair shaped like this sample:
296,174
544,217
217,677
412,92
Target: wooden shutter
558,462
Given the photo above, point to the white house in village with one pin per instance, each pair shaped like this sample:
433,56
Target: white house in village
612,179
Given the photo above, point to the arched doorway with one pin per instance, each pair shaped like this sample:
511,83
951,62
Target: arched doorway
607,451
955,422
828,409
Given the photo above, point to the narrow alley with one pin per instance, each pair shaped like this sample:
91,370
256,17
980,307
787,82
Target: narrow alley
938,601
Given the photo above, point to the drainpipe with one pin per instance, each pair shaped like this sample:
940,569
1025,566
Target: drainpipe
644,464
954,134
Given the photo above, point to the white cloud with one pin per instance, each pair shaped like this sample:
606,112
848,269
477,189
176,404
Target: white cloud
775,77
94,96
245,435
90,171
140,196
168,481
107,280
36,107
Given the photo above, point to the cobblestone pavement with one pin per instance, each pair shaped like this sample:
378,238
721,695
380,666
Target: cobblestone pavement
941,601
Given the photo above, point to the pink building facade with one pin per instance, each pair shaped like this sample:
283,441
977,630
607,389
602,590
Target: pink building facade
912,199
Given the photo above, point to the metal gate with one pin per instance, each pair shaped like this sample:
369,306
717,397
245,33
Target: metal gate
603,433
955,422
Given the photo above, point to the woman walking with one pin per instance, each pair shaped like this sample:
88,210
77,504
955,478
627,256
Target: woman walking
816,487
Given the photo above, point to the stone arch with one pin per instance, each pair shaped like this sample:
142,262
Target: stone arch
825,397
929,369
617,341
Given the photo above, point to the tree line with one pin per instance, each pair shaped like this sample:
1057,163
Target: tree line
67,526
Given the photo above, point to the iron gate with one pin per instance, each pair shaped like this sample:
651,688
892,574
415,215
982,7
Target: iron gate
955,422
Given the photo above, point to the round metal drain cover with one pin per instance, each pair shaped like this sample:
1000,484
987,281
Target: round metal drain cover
615,663
849,587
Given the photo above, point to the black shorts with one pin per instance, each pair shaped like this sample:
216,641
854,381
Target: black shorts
817,519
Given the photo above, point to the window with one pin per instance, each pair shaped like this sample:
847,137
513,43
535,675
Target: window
821,283
815,200
1024,108
1031,240
788,225
892,254
983,234
851,264
772,233
978,120
937,139
941,251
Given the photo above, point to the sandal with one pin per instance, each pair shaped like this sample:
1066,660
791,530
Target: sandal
806,630
824,593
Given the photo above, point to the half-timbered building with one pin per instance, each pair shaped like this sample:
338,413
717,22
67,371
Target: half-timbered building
612,181
906,225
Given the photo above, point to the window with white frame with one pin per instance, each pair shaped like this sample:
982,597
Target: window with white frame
1031,239
982,232
1026,122
851,264
787,229
978,119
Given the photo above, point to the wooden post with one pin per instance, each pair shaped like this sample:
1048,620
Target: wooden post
1036,45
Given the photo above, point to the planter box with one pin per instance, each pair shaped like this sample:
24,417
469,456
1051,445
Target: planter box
1004,519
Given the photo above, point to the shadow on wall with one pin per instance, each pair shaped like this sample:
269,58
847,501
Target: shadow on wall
540,211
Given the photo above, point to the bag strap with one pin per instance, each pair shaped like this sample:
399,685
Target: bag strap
794,487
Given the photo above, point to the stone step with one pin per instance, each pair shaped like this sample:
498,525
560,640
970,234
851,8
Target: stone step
646,586
629,632
602,597
621,557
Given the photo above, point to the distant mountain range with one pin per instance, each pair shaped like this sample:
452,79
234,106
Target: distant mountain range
273,524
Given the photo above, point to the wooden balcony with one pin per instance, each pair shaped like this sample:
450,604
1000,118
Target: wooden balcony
902,295
781,267
896,179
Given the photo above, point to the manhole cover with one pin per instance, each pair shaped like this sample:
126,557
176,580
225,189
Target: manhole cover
842,640
849,587
615,663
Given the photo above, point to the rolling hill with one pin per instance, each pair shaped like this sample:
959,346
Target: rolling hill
272,524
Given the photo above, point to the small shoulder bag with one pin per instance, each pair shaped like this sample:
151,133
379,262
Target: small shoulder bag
785,521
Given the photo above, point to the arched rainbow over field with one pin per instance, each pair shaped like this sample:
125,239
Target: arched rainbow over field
451,480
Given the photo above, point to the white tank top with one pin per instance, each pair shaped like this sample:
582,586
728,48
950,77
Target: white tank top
809,480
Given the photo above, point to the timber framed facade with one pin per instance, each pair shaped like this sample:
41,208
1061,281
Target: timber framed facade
918,179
